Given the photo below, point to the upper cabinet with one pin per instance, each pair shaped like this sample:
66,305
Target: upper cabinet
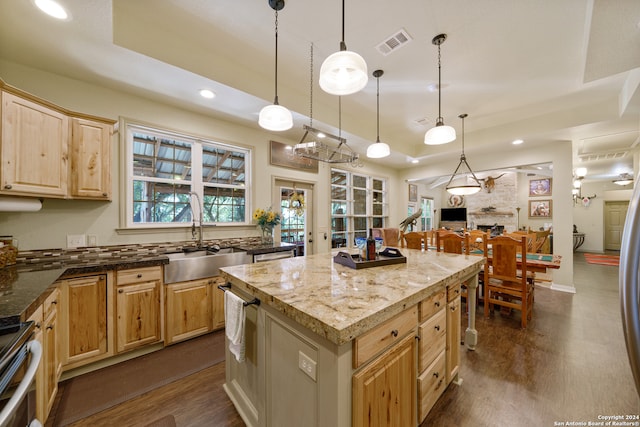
48,151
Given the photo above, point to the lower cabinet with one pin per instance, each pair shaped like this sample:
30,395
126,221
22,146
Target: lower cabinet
188,309
138,308
453,333
83,319
218,304
384,391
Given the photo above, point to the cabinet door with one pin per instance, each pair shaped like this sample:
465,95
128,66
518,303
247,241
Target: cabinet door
34,148
138,315
85,316
51,359
90,159
188,310
38,335
453,339
384,391
218,304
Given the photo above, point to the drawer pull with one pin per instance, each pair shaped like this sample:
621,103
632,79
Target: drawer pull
394,333
7,187
54,302
437,327
436,375
139,275
50,327
437,304
120,291
453,308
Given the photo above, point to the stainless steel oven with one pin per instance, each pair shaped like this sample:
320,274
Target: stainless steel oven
19,355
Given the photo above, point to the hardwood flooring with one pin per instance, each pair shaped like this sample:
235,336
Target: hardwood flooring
569,365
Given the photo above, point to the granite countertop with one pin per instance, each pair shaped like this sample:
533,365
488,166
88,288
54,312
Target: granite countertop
261,248
340,303
23,287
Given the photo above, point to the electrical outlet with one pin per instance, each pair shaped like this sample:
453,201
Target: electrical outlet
76,240
307,365
92,240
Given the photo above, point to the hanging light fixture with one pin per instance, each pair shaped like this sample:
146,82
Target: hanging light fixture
440,134
625,179
276,117
467,187
378,149
343,72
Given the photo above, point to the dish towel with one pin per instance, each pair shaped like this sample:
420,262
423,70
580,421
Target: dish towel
234,324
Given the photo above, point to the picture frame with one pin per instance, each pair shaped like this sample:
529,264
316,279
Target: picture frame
413,193
282,155
540,208
539,187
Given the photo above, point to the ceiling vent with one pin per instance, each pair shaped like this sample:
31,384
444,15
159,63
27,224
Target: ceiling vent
602,156
394,42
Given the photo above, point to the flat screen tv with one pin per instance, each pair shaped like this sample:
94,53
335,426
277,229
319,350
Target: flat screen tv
453,214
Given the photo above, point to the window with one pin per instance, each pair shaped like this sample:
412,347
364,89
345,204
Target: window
358,203
166,169
427,214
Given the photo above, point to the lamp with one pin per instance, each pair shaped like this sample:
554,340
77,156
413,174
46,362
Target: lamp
378,149
576,191
343,72
440,134
276,117
465,188
625,179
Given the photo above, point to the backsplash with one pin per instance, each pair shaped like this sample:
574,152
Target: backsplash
52,257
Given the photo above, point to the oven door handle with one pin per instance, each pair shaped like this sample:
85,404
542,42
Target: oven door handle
21,391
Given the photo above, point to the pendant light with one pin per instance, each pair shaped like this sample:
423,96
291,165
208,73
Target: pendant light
467,187
276,117
440,134
343,72
378,149
625,179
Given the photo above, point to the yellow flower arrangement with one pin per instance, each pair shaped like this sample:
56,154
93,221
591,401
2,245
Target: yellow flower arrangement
266,218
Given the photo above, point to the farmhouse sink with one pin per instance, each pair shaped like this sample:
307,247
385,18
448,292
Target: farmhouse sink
200,264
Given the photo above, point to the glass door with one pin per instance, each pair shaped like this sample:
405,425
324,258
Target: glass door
426,220
296,225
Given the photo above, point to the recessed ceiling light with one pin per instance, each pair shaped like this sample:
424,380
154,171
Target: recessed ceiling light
414,161
52,8
206,93
517,141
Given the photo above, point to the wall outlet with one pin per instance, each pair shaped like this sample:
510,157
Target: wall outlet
92,240
76,240
307,365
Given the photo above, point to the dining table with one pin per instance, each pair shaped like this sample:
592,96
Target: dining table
540,263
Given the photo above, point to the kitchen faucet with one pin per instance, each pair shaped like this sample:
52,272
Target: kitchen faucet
193,229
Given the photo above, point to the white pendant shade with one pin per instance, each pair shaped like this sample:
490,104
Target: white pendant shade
378,150
440,134
343,73
464,190
275,117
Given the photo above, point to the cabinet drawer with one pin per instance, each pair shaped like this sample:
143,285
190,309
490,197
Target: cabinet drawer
431,384
137,275
430,305
453,292
51,303
433,339
382,336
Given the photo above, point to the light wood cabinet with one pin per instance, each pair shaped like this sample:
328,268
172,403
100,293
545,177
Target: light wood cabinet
392,375
84,329
218,304
138,309
38,335
453,333
48,151
34,148
52,363
90,159
188,309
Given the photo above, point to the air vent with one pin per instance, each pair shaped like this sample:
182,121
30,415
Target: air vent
602,156
423,121
394,42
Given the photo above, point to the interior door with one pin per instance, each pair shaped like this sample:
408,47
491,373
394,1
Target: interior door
614,216
296,227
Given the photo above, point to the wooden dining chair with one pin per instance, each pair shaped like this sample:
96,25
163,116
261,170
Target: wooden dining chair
506,284
412,240
452,242
541,239
476,238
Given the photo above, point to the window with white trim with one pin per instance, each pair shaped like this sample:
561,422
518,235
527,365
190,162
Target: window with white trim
358,203
165,169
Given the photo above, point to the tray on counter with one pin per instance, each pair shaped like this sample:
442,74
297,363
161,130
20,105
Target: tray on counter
386,257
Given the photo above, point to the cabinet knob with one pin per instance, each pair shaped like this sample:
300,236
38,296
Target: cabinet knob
50,327
394,332
120,291
437,303
104,194
54,302
7,187
436,375
139,275
437,327
453,308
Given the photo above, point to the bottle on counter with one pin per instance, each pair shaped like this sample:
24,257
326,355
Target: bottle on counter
371,246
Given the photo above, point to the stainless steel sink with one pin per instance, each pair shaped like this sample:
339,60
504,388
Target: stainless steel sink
200,264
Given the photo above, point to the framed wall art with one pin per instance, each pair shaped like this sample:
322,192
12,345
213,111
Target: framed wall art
282,155
413,193
540,208
539,187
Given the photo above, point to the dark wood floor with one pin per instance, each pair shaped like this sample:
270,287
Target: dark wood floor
570,364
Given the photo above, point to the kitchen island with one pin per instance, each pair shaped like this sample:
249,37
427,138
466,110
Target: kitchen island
327,342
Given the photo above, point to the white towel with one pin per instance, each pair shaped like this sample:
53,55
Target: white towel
234,324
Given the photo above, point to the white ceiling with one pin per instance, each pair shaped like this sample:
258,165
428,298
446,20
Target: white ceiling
565,71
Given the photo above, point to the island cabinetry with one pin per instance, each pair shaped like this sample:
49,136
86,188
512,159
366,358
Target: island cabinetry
84,320
34,148
453,332
90,159
218,304
188,309
431,354
138,310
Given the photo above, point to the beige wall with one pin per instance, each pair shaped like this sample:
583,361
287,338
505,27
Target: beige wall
48,228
